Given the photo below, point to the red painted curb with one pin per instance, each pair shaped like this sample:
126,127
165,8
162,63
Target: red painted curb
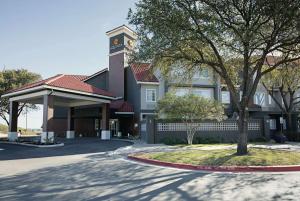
219,168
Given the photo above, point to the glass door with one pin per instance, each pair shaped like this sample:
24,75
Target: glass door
114,127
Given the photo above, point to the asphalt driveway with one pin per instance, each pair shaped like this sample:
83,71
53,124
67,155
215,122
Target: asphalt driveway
105,176
72,147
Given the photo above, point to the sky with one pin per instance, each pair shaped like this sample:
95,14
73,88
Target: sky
57,36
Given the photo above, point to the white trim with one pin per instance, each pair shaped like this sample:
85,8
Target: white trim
155,95
79,92
75,96
22,91
150,83
56,88
115,53
124,112
28,96
120,30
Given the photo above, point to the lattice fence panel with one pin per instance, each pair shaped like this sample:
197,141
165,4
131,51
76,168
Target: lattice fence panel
206,126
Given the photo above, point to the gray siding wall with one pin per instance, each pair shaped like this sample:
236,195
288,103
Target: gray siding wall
116,74
99,81
133,92
144,104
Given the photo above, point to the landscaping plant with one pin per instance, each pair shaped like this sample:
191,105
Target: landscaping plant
190,109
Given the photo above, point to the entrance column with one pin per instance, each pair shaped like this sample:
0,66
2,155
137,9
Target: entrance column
48,111
105,133
13,121
70,130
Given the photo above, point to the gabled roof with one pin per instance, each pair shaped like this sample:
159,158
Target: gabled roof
121,106
71,82
95,74
143,72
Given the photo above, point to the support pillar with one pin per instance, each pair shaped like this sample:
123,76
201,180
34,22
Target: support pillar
70,130
105,133
13,121
48,111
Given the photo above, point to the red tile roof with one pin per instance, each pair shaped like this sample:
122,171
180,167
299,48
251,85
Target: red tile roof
71,82
143,72
121,106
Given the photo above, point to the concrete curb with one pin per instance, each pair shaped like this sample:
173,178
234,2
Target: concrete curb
289,168
33,145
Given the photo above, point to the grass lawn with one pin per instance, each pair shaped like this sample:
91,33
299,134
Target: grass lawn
255,157
218,144
203,145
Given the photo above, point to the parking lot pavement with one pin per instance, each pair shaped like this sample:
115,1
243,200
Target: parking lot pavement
102,176
72,147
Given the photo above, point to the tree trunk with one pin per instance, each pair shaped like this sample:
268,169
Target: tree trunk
189,136
243,133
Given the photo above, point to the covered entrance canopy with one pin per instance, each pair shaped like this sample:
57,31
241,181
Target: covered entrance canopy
61,90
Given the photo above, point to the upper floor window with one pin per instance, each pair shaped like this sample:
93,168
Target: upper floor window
201,74
270,100
150,95
225,97
260,98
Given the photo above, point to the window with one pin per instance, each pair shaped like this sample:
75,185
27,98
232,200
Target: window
150,95
225,97
181,91
203,74
206,93
270,100
273,124
260,99
97,124
284,124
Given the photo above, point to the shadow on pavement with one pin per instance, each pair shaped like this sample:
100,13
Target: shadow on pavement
104,178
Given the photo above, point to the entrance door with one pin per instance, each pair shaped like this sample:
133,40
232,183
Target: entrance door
114,127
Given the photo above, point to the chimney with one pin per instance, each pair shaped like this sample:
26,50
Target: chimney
121,40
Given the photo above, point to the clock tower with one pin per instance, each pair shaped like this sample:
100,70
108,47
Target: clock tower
121,40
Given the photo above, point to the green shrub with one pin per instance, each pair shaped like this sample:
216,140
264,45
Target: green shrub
173,141
201,140
258,139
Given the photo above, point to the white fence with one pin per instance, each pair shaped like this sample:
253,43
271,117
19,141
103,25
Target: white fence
207,126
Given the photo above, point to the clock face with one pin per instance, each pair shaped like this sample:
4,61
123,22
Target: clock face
129,42
116,43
